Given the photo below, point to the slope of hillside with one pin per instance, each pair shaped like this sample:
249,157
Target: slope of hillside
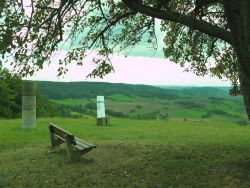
76,90
145,102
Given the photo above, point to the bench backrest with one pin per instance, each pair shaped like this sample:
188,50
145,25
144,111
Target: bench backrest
62,133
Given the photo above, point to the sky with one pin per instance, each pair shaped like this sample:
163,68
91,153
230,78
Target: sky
132,70
142,66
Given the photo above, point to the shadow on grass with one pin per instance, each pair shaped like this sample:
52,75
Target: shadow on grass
61,154
129,165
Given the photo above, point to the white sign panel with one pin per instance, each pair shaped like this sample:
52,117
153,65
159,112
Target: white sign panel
100,107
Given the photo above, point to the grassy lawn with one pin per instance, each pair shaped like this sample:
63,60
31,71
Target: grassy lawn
129,153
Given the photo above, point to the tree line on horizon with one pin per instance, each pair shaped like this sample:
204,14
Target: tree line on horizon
11,100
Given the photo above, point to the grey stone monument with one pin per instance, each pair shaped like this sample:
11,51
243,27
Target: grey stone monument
29,104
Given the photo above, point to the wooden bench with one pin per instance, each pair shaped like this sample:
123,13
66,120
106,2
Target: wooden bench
75,147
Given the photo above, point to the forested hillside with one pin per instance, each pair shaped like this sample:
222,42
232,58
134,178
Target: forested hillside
77,90
64,90
11,100
10,95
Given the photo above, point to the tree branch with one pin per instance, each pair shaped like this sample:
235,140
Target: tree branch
112,24
201,3
188,21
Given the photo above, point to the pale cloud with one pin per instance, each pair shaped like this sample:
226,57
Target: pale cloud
133,70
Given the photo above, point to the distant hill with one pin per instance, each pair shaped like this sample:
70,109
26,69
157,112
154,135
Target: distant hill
144,101
202,92
76,90
206,92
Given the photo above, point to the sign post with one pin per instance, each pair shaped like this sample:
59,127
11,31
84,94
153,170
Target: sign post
101,117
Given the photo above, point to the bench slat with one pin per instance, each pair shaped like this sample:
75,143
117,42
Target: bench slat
83,146
84,143
79,148
61,138
61,132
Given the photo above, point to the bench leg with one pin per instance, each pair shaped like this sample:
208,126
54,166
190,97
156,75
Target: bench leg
69,148
54,141
72,155
52,138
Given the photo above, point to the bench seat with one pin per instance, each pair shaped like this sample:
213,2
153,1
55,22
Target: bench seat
75,146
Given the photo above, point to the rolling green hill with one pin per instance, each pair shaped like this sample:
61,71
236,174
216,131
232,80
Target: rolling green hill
76,90
145,102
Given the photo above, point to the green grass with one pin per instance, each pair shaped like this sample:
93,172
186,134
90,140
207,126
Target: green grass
121,97
71,102
232,108
129,153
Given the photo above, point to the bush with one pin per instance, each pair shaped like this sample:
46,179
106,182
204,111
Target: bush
219,112
150,115
75,115
207,115
189,104
242,122
91,105
114,114
138,106
132,111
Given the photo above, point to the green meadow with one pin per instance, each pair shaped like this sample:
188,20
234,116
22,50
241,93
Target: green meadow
145,102
203,142
129,153
143,108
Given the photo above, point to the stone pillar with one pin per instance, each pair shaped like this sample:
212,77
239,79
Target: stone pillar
28,104
101,117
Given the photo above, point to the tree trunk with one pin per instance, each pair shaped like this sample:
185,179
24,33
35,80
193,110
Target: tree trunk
245,88
238,15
